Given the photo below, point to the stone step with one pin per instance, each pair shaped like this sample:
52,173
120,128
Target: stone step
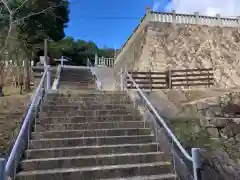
88,102
78,82
90,161
85,119
90,125
93,106
90,150
154,177
74,78
99,172
88,96
74,75
89,113
91,133
90,141
80,93
75,86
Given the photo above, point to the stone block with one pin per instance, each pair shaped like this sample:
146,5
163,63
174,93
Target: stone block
238,137
213,132
231,130
220,122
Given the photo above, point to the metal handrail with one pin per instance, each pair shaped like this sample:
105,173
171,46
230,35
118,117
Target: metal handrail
67,58
195,159
99,82
15,155
170,133
57,78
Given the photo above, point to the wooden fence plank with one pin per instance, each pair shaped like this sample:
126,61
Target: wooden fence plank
195,79
194,75
172,78
191,70
193,84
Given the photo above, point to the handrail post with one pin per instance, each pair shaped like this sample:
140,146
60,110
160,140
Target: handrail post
2,168
48,77
62,61
96,60
122,79
196,163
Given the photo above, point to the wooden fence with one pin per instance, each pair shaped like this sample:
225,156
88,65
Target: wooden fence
172,79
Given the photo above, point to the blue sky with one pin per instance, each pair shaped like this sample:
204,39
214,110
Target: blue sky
108,22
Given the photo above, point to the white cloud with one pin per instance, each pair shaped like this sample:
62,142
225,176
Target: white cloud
206,7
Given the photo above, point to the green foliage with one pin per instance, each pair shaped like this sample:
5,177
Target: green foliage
78,50
50,23
31,22
34,21
191,134
24,24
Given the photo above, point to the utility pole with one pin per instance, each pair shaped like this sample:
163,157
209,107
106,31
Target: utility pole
45,52
47,65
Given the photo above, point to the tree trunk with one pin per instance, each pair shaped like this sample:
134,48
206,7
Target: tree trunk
1,78
27,83
1,91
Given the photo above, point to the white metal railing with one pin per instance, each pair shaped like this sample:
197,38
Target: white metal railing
195,157
98,81
195,18
22,141
105,62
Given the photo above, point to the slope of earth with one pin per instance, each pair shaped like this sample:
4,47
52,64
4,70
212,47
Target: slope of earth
180,97
191,46
202,123
12,110
195,126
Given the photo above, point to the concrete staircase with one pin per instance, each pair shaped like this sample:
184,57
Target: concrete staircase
77,79
91,135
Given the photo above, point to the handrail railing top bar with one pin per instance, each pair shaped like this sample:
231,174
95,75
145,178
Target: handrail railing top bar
25,123
170,133
68,58
57,78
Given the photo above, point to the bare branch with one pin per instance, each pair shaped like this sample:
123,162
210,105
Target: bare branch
36,13
19,7
10,27
7,7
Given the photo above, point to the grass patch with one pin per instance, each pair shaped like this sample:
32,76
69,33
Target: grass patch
191,134
12,110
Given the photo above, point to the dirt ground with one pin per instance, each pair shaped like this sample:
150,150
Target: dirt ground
12,110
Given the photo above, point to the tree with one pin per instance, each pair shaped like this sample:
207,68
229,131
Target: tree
78,50
24,24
